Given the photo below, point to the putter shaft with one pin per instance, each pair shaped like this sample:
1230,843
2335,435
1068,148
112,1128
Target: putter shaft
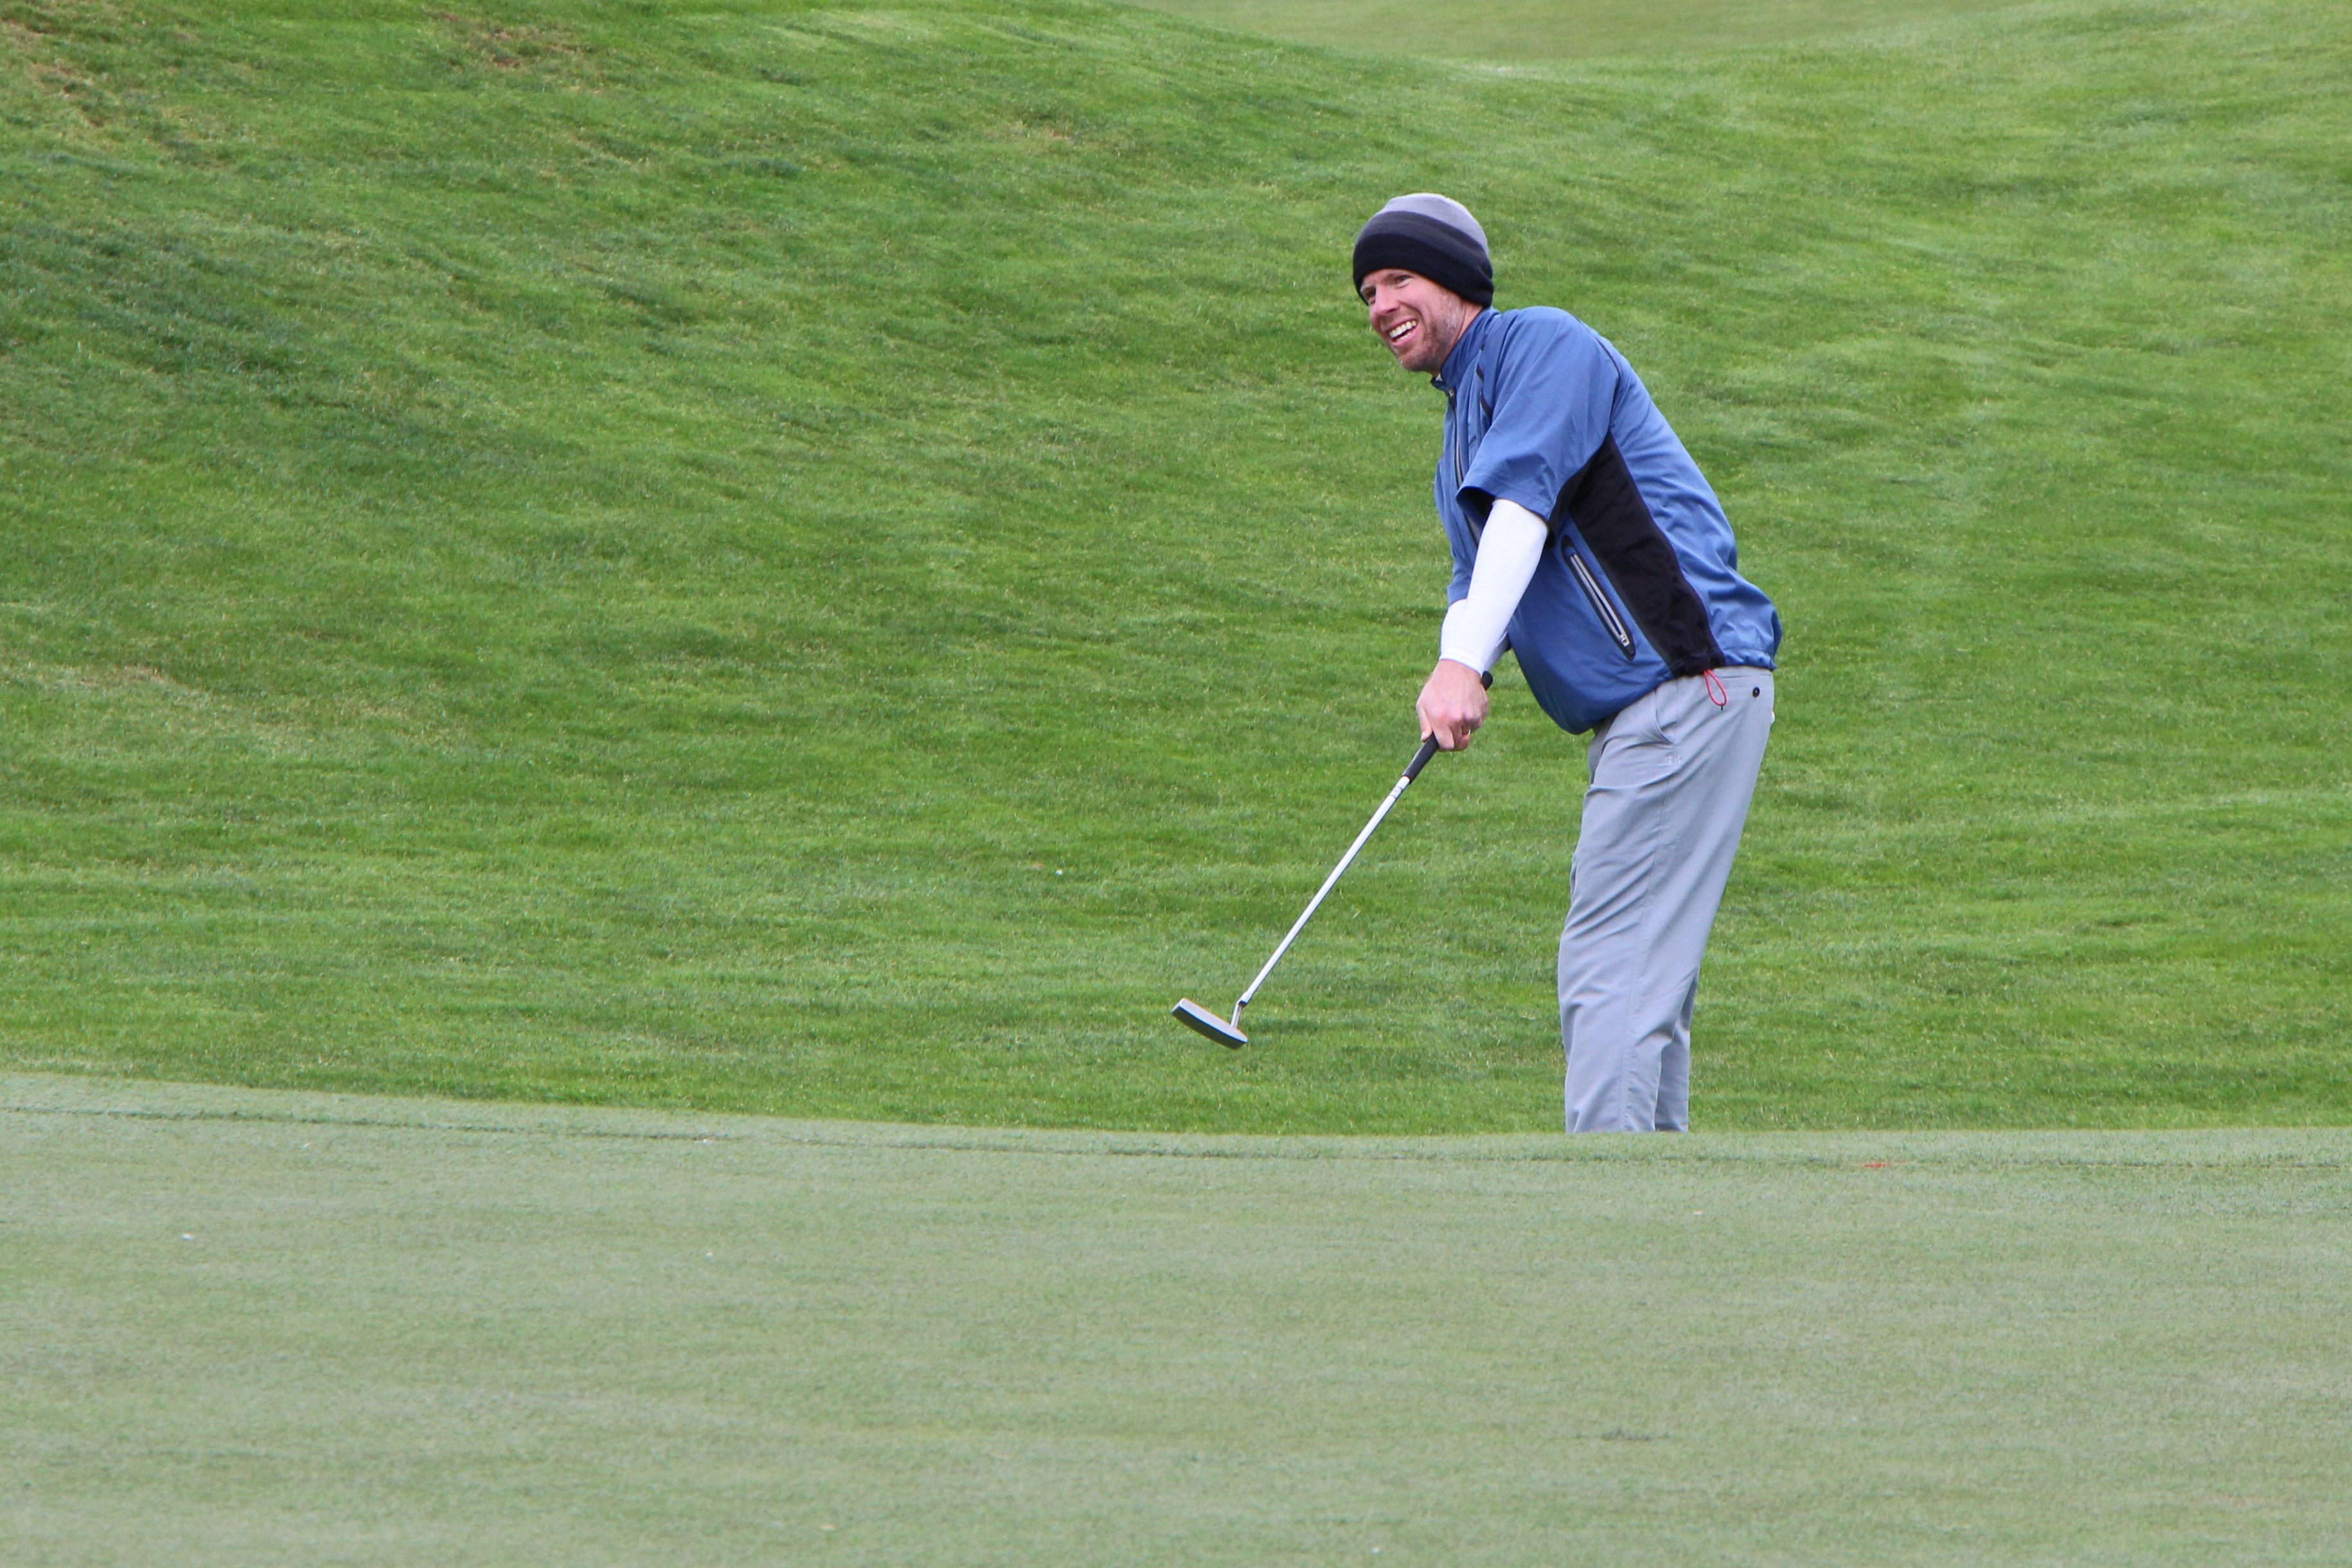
1411,771
1228,1031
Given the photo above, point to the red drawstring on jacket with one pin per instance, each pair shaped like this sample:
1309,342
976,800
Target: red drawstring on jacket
1714,691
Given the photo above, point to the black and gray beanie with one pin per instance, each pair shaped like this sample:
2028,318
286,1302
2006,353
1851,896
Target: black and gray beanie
1432,236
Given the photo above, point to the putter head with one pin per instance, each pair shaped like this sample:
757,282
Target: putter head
1192,1016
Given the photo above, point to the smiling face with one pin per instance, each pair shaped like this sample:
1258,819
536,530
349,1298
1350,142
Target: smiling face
1419,321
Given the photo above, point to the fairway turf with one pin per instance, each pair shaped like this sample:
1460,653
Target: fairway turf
258,1328
838,561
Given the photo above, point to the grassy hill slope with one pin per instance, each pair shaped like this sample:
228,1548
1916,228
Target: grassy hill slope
835,559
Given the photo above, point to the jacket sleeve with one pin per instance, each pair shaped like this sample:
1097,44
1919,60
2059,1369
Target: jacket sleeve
1552,385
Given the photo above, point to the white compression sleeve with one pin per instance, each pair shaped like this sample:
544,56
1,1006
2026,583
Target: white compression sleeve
1508,551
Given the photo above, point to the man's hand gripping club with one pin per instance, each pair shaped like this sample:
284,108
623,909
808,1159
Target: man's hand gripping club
1453,704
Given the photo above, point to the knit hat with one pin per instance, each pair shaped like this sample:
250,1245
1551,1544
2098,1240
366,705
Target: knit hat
1433,237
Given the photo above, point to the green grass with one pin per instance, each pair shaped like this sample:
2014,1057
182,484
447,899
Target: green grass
1521,31
834,561
259,1329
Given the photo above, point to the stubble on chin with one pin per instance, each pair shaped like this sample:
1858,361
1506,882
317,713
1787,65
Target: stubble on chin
1431,345
1414,355
1437,341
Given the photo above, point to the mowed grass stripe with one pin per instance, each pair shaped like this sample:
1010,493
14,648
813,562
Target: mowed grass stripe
834,561
273,1328
1518,32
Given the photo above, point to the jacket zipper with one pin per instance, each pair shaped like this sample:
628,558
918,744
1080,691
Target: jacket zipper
1601,605
1454,429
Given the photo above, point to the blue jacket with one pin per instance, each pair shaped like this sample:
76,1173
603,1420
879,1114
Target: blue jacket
1640,582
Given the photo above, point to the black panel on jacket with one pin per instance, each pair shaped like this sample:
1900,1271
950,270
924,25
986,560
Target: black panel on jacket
1609,510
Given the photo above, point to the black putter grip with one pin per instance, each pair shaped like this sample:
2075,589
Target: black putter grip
1428,743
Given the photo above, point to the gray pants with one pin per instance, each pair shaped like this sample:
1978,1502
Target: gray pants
1671,777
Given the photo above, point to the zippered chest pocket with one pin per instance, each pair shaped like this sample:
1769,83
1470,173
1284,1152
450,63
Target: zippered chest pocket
1610,618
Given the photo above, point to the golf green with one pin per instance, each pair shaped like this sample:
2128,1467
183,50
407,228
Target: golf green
262,1327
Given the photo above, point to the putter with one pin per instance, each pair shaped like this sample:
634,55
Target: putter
1228,1032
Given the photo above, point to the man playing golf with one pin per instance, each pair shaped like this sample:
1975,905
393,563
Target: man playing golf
1586,540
